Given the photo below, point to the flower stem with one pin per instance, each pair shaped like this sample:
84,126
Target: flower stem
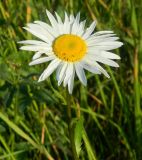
70,128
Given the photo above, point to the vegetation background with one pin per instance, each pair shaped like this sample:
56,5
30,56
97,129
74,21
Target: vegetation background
33,119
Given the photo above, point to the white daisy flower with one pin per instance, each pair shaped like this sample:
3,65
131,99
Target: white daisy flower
70,48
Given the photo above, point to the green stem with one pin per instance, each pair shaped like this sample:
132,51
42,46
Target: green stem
70,128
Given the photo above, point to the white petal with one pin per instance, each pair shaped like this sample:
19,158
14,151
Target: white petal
75,24
39,53
71,82
109,43
42,60
52,19
77,19
71,18
80,73
94,38
69,72
109,55
104,60
92,62
61,29
49,70
103,54
80,30
62,73
47,27
59,70
98,40
90,68
39,35
105,46
34,42
94,49
74,28
35,48
102,32
66,26
101,69
39,29
89,30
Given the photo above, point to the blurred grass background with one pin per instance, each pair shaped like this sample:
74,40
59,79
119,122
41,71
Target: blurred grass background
33,120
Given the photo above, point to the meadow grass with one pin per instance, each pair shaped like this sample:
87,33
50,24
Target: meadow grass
107,113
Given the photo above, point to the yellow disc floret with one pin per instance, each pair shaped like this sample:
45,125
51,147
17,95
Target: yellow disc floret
69,47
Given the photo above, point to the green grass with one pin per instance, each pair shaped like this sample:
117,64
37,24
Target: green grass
107,114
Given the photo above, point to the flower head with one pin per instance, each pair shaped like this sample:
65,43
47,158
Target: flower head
70,48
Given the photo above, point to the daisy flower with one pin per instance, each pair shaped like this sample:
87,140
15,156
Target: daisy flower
71,48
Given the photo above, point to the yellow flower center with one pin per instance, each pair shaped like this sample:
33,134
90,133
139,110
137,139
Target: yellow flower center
69,47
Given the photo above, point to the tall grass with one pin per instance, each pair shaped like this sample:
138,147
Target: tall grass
33,116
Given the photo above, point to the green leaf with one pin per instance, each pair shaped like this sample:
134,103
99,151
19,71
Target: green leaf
134,19
78,133
91,154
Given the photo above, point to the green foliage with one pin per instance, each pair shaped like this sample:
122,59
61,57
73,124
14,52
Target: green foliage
33,116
